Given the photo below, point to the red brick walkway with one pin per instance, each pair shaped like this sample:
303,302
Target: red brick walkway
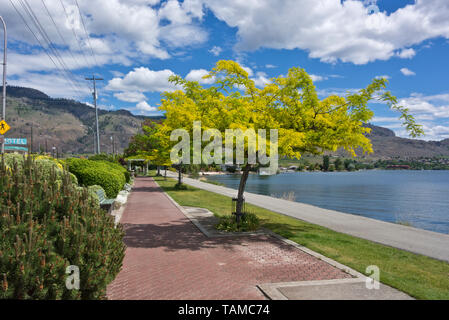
167,257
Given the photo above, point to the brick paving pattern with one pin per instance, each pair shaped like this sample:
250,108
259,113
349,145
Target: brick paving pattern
167,257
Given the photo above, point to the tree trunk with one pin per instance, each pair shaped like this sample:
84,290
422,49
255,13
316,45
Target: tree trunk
243,179
165,173
180,174
158,171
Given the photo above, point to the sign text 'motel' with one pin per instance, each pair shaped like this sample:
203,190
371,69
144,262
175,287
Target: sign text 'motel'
16,141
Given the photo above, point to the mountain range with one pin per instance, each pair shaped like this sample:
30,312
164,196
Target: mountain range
69,125
66,124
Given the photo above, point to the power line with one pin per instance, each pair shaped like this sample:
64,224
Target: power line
40,43
74,33
96,109
28,10
87,34
52,47
60,35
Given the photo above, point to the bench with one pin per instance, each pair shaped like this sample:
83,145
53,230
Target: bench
105,203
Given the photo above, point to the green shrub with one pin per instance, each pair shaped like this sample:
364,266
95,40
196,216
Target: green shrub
76,165
180,186
110,176
102,156
46,165
111,182
92,190
118,167
249,222
127,176
46,226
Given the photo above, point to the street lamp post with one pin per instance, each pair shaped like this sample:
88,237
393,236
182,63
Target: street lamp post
4,77
113,144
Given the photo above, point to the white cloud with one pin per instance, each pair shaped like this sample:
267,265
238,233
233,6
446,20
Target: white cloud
270,66
215,50
143,79
117,73
384,76
198,74
433,132
334,30
336,92
120,31
172,11
435,106
407,72
406,53
261,79
145,107
53,84
385,119
248,70
316,78
130,96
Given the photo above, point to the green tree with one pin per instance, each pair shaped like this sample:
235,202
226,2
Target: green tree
287,103
326,163
338,164
149,145
142,141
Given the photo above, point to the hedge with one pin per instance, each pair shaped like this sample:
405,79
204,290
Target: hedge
110,176
110,182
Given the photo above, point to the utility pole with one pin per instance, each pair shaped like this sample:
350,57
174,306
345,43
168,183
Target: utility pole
96,110
4,78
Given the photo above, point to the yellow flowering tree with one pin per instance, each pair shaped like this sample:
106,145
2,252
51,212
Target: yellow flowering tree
288,103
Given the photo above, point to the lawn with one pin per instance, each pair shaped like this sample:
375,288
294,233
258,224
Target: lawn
417,275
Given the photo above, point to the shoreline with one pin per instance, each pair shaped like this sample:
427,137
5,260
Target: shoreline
220,173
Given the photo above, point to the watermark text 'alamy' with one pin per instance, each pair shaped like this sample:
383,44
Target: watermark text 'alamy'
256,146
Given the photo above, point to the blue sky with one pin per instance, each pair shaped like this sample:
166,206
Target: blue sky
136,44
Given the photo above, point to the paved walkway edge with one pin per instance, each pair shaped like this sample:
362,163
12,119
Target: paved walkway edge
271,290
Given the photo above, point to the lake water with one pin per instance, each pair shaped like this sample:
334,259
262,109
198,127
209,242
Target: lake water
420,198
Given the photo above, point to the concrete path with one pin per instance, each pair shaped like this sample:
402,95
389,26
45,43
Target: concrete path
432,244
167,257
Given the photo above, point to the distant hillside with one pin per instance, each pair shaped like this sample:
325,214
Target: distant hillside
386,145
66,124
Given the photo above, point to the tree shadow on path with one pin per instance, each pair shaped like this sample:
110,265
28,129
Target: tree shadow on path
183,235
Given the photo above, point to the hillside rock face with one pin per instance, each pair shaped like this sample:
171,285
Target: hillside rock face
386,146
380,131
66,124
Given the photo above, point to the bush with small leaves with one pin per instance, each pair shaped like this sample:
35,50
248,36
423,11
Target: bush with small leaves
249,222
46,225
